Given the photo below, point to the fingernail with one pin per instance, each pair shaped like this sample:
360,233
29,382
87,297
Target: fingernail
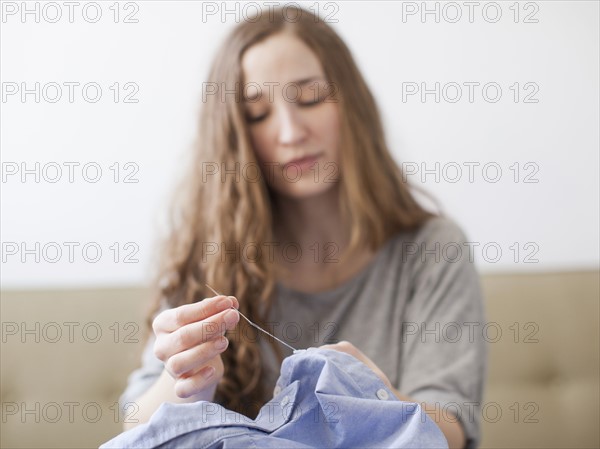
221,343
224,303
231,317
209,372
235,302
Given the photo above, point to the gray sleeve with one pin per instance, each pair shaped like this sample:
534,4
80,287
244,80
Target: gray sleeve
444,355
141,379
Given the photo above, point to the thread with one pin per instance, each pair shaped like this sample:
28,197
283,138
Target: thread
256,325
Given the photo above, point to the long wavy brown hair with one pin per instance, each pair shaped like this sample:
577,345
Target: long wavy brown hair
235,212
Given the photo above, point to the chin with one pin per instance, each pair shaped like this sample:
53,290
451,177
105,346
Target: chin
299,191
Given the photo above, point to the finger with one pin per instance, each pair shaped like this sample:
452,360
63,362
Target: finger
172,319
343,346
189,386
194,334
192,359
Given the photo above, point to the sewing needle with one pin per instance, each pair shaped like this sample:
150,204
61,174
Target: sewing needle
255,325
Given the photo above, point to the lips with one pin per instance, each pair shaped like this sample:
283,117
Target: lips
304,161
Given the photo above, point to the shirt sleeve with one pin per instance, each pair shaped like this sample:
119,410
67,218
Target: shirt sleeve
141,379
444,355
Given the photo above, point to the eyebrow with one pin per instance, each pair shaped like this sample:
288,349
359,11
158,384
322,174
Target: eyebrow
307,80
300,82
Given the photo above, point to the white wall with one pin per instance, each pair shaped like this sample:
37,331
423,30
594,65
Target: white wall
167,53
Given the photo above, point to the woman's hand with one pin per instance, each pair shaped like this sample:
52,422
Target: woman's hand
451,427
349,348
190,339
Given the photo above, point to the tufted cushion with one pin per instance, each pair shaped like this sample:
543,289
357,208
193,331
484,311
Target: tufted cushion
545,379
72,370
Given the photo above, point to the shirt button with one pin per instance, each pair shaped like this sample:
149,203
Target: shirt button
285,401
382,394
276,390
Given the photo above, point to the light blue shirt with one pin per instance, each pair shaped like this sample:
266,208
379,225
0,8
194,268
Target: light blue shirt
323,399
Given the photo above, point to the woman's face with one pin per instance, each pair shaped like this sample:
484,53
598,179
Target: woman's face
292,116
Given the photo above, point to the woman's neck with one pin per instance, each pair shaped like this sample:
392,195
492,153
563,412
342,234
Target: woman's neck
310,221
315,225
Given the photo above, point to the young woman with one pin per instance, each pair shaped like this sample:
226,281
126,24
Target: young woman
295,207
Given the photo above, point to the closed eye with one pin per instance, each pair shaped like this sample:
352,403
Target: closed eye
310,103
256,119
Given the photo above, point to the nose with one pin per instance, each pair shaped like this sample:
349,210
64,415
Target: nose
292,129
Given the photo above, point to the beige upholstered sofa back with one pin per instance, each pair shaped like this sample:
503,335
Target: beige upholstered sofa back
61,391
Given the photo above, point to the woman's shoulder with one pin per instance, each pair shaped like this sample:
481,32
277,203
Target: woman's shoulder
438,248
439,235
442,229
437,228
